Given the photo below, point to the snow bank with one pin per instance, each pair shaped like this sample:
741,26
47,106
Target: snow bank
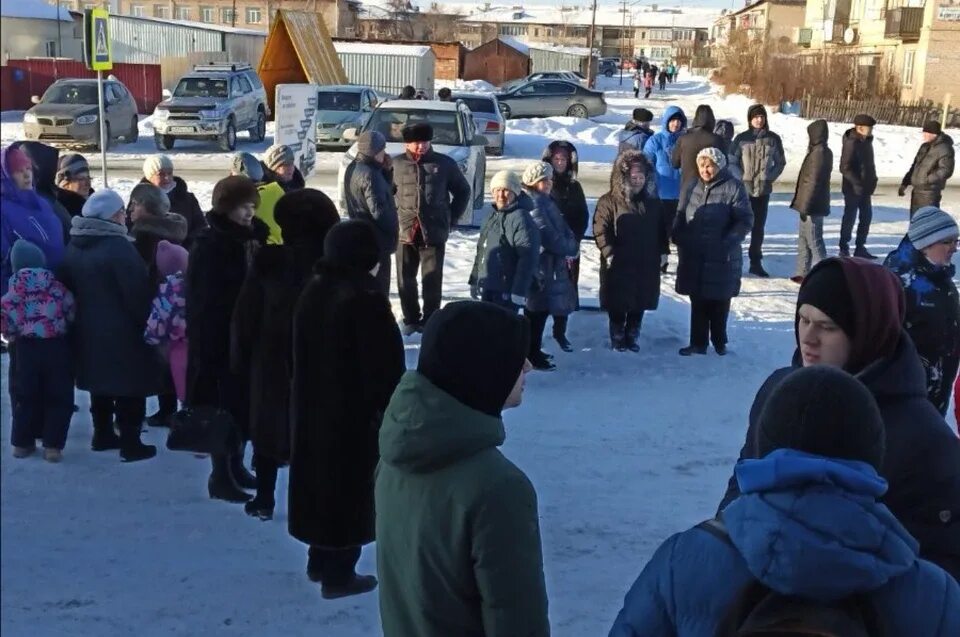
479,86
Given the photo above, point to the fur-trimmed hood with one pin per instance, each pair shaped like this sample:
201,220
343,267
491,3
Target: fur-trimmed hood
571,150
621,168
170,227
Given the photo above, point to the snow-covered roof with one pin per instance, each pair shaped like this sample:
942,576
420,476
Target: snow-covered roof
34,9
514,43
382,49
195,25
689,18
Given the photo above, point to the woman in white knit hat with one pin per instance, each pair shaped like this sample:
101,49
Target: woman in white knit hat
158,170
509,246
923,263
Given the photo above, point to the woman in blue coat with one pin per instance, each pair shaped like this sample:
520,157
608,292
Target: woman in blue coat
809,525
659,150
715,217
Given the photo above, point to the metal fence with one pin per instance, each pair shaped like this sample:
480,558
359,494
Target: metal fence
884,111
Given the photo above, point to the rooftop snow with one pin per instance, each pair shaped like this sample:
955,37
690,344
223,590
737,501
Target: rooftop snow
581,16
33,9
381,49
514,43
206,26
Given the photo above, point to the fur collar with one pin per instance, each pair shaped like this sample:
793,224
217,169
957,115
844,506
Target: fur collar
171,226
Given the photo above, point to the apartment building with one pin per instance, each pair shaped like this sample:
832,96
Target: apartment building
763,19
916,40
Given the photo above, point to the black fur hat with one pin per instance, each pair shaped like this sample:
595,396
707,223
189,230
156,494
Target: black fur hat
419,132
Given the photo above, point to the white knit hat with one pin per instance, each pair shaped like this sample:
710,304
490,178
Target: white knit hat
715,155
156,163
103,204
537,172
507,180
278,155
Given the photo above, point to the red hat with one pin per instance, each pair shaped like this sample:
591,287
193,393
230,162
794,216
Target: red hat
17,160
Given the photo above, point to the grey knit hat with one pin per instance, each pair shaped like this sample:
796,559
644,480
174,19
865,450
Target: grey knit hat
371,143
278,155
508,180
25,254
931,225
70,167
152,198
103,204
536,172
715,155
247,165
156,163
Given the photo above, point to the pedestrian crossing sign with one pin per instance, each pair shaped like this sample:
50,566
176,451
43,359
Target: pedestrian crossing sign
97,40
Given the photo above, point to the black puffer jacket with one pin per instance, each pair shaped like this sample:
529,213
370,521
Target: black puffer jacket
631,237
857,164
567,191
699,136
432,195
150,230
932,166
712,220
812,195
369,196
71,201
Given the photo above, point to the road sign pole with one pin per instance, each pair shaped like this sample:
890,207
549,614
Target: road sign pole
103,129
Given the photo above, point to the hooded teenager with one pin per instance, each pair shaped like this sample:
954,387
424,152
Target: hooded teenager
758,157
158,170
659,150
859,172
811,199
628,227
348,357
809,527
931,168
700,135
261,332
444,488
850,314
923,263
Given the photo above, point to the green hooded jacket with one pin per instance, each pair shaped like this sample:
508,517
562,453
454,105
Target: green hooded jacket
458,536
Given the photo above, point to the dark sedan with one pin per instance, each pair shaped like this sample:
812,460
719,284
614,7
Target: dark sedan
550,98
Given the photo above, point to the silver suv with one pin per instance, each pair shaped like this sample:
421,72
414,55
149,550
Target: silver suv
213,102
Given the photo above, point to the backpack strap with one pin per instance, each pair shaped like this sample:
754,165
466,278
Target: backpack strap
716,528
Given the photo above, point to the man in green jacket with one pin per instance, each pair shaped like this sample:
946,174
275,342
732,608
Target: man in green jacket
458,535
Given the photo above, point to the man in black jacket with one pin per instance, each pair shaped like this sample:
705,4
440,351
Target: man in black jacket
369,195
432,194
931,169
859,183
812,199
698,137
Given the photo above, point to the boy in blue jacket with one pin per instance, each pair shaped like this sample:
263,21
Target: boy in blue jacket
659,150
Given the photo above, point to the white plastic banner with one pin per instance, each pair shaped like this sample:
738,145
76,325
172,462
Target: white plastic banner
296,126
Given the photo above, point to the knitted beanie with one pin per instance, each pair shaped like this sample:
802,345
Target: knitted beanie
931,225
715,155
247,165
537,172
278,155
70,167
507,180
155,164
826,289
171,258
352,244
370,143
25,254
103,204
932,127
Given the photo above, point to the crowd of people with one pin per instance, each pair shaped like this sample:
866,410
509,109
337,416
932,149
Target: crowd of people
273,310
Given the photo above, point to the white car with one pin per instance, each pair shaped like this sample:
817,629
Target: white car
454,135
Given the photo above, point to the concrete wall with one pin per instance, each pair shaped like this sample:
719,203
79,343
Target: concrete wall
27,37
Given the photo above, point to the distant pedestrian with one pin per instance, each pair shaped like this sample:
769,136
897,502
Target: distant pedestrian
811,199
923,263
714,218
508,249
648,84
636,132
158,170
637,82
445,95
724,128
757,154
663,79
280,166
369,195
167,323
36,313
659,151
445,487
408,93
246,165
859,183
73,182
348,357
931,168
698,136
628,229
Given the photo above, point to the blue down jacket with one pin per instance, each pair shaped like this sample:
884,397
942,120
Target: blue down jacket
659,150
806,526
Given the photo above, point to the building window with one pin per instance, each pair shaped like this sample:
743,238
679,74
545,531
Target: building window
908,59
207,14
50,48
254,15
511,29
136,10
161,11
228,16
183,13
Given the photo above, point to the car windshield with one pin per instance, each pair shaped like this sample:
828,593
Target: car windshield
71,94
330,101
477,104
390,123
201,87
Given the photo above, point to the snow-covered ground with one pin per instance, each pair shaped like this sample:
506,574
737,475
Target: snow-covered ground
624,450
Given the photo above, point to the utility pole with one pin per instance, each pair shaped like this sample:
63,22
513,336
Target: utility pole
623,28
593,28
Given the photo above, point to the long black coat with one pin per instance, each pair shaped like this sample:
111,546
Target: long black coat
922,459
262,340
699,136
857,164
220,257
348,359
812,195
567,191
631,232
150,230
931,169
710,225
184,203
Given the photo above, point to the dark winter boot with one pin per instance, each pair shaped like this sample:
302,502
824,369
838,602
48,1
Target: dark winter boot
104,437
756,269
844,251
691,350
221,485
356,585
560,333
262,505
631,336
131,449
863,254
541,362
618,337
244,478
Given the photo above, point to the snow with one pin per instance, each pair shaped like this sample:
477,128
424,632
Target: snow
555,14
515,43
370,48
206,26
34,9
477,86
620,455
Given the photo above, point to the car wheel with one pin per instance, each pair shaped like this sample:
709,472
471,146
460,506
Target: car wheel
577,110
228,140
164,142
134,133
259,132
496,151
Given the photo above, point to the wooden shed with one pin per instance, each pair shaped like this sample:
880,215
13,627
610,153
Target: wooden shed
449,55
496,62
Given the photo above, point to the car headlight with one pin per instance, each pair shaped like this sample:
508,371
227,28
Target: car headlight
86,119
161,113
214,114
29,118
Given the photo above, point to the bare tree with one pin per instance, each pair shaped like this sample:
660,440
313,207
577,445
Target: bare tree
440,24
399,14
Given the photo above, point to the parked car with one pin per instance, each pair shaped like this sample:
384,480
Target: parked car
608,67
213,102
489,120
549,98
68,114
568,76
341,107
454,134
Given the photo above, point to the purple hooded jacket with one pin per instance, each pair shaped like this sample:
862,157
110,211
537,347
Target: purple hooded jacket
25,215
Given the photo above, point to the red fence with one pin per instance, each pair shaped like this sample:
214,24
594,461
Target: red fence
22,79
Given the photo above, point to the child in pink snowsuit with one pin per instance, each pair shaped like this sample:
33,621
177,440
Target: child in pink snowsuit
167,324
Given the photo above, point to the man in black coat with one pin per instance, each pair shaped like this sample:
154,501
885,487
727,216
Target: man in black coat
432,194
347,360
697,137
859,183
931,169
368,182
850,314
811,199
